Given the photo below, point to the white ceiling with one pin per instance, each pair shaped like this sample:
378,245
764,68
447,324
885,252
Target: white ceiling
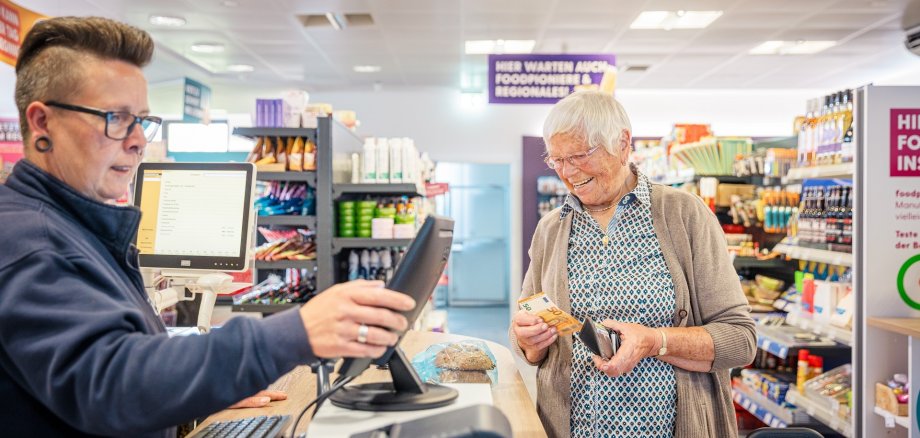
420,42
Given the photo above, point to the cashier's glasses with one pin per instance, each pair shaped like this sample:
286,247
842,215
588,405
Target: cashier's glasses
118,124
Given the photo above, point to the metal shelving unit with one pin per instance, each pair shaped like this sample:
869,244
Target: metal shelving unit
308,177
799,174
815,255
321,180
401,189
312,133
355,242
285,264
821,413
774,341
753,262
805,321
288,220
768,411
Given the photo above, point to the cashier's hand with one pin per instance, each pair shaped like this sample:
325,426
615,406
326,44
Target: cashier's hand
333,319
262,399
533,335
636,343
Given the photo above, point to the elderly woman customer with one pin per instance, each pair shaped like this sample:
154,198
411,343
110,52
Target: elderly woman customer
650,262
82,352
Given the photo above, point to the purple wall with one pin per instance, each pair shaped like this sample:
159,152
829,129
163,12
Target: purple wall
532,168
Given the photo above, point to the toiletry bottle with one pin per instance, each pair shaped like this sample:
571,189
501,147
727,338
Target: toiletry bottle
396,166
383,161
370,161
801,371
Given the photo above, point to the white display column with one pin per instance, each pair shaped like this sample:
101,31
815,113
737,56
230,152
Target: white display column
887,251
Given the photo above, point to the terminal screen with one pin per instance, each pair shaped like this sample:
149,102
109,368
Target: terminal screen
192,212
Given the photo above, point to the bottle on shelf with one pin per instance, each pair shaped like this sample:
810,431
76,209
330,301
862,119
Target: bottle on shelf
847,148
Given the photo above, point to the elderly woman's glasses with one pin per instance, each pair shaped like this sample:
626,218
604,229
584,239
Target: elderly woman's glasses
574,159
118,124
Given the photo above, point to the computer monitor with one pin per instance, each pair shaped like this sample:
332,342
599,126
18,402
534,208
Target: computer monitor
416,275
196,216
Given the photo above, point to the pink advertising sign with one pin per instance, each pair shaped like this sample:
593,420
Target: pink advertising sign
905,141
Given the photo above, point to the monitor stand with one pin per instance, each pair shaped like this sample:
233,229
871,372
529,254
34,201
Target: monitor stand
406,392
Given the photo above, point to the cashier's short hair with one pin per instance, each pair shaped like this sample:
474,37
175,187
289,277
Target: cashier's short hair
593,115
51,58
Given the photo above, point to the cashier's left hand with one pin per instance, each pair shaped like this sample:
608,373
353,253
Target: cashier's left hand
262,399
636,343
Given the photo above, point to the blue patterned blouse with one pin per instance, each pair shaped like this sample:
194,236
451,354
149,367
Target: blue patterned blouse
620,274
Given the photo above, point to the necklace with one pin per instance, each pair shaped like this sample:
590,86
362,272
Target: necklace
599,209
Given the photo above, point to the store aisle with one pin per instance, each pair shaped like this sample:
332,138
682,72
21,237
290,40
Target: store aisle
489,323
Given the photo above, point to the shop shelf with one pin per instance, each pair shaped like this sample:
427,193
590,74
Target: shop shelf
891,419
820,413
308,177
352,242
263,308
904,326
289,220
723,179
406,189
754,262
275,132
815,255
805,321
779,341
799,174
767,410
285,264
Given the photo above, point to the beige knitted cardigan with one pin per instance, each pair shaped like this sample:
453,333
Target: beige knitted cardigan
707,293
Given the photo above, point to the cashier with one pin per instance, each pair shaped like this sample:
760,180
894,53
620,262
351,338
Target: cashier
82,352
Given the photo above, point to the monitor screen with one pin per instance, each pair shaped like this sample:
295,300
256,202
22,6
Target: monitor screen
194,215
417,275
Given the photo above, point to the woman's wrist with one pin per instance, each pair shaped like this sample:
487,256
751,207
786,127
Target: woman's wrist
655,339
532,354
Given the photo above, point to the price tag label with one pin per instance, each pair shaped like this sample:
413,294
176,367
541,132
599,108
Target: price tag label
746,404
835,407
810,411
889,421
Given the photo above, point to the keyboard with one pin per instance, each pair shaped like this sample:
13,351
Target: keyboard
252,427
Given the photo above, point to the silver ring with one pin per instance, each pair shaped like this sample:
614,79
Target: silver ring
362,333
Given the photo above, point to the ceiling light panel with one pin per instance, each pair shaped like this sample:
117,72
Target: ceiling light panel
366,68
240,68
497,47
667,20
167,21
791,47
208,48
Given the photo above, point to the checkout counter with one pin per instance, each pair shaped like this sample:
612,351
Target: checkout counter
509,395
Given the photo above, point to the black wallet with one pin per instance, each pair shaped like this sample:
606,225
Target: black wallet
599,339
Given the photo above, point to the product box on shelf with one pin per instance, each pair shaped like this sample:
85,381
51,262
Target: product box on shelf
832,390
886,399
825,299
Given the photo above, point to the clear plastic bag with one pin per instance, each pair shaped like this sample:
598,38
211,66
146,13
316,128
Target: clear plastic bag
457,362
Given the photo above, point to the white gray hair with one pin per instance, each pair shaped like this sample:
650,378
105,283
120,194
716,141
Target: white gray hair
593,115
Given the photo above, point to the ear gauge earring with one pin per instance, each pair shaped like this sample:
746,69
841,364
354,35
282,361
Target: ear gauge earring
43,144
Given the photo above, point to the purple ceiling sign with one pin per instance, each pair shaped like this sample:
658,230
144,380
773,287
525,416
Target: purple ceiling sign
543,79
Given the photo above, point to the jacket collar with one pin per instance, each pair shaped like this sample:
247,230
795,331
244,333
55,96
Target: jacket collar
115,226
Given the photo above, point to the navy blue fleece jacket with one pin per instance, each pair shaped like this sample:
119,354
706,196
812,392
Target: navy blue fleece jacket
82,351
